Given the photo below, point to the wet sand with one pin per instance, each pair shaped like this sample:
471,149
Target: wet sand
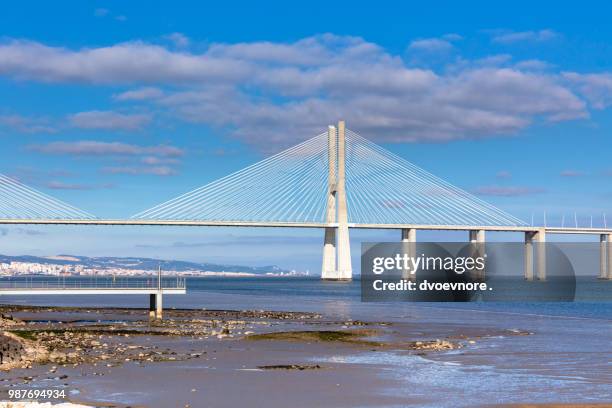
221,358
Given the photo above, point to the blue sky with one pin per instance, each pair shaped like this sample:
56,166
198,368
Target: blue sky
117,106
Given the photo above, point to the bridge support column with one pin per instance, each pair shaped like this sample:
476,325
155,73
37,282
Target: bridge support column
528,266
609,256
603,249
409,248
345,269
540,237
478,237
328,269
337,246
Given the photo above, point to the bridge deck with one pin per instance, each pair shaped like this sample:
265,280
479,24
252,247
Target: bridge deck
273,224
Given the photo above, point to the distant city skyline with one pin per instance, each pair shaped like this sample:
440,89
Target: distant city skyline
115,110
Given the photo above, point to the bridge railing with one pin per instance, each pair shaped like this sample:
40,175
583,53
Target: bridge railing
91,283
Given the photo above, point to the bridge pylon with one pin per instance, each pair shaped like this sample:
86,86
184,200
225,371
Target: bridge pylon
336,246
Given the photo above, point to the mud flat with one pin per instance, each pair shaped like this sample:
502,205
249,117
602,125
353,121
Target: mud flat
118,358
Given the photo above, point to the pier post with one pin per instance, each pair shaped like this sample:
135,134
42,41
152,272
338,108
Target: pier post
478,237
409,248
528,266
328,269
540,237
345,269
152,306
158,305
603,248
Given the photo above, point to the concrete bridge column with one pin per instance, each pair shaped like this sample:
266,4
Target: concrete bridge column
609,257
409,248
528,266
328,270
603,248
478,237
345,269
540,237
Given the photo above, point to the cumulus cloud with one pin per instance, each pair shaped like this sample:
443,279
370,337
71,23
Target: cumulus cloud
510,37
597,88
108,120
268,92
140,94
25,124
91,147
152,160
59,185
139,170
431,45
507,191
179,40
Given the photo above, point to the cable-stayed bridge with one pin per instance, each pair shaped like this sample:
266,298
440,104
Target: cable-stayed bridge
335,181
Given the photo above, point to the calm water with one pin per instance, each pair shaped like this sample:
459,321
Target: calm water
568,358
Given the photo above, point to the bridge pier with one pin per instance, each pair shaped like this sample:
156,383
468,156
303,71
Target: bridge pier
478,237
540,237
409,248
328,270
337,259
609,257
345,269
528,254
603,249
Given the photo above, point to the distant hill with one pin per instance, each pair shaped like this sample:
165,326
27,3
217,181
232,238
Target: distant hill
139,264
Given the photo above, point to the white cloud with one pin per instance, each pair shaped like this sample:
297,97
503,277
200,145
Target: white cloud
96,148
532,65
597,88
146,93
452,37
431,45
266,92
508,191
122,63
25,124
179,40
60,185
144,170
109,120
525,36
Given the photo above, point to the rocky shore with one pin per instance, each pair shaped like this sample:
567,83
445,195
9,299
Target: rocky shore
61,336
64,346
